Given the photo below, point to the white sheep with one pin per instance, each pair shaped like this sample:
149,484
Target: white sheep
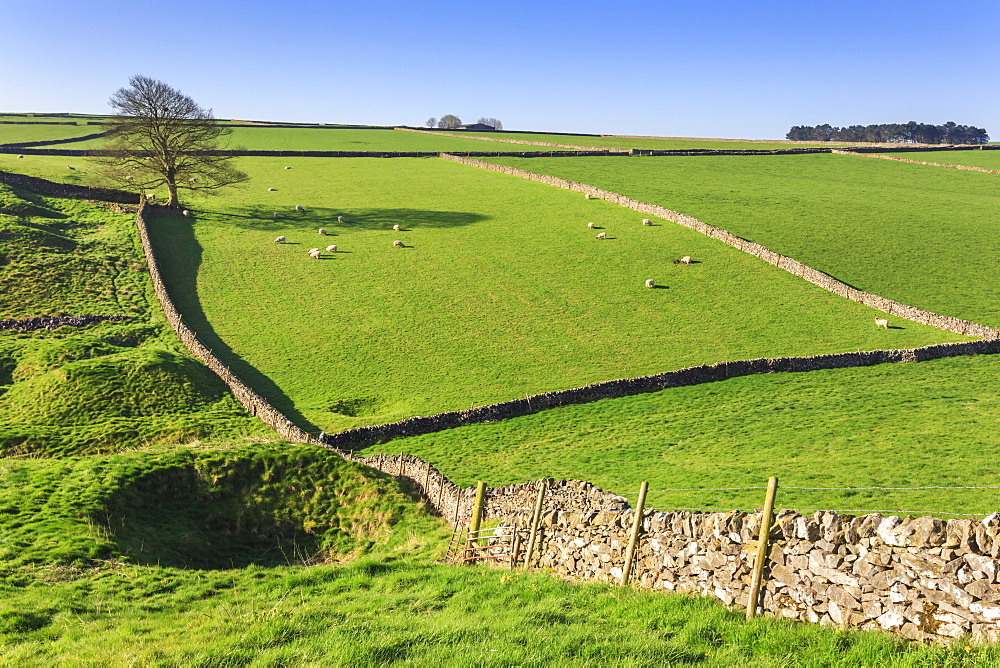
68,167
287,167
280,240
186,213
602,235
20,156
586,196
882,322
331,248
299,208
685,260
340,219
650,283
271,190
647,221
192,180
322,231
398,244
275,214
395,228
590,225
315,254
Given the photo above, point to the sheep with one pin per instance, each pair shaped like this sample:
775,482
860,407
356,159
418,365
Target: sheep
395,228
271,190
590,226
882,322
186,213
275,214
340,219
650,283
280,240
287,167
299,208
313,250
192,180
315,254
647,221
20,156
322,231
331,248
586,196
684,260
602,235
398,244
68,167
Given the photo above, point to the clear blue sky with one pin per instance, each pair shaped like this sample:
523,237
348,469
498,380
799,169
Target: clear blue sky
705,68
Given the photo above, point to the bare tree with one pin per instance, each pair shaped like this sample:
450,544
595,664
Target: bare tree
449,122
161,137
492,122
431,122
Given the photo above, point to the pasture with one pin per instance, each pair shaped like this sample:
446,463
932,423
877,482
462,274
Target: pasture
923,236
656,143
986,159
16,134
501,291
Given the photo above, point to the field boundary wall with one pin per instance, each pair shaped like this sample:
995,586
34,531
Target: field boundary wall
515,141
54,322
54,189
918,162
814,276
50,142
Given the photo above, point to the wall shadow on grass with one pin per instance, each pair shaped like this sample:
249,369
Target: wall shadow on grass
262,219
179,256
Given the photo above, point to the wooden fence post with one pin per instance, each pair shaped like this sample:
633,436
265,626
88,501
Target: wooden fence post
633,539
515,548
766,519
477,519
401,464
536,518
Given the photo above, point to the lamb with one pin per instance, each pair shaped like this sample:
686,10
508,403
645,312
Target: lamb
590,225
602,235
331,249
395,228
186,213
882,322
280,240
647,221
650,283
340,219
271,190
322,231
398,244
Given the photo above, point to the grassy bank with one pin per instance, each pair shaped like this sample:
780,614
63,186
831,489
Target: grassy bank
922,236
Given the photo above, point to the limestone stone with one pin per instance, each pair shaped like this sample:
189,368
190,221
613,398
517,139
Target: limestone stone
843,599
891,620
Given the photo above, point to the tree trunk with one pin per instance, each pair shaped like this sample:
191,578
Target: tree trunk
172,191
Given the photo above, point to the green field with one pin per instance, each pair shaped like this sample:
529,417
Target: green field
659,143
16,134
922,236
502,290
987,159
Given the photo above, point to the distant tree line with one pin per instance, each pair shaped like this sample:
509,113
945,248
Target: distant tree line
450,122
912,132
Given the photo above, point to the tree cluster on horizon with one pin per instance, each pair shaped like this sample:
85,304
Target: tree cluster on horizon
903,133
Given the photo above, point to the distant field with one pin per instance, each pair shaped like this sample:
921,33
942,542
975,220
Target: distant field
10,134
894,425
987,159
317,139
501,292
925,237
646,142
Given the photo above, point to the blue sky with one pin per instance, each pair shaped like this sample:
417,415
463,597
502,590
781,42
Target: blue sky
695,68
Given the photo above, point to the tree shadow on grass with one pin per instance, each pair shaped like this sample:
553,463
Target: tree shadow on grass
261,218
179,257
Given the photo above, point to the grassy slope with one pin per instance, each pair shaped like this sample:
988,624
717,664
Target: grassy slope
22,133
987,159
104,387
895,425
646,142
502,291
920,235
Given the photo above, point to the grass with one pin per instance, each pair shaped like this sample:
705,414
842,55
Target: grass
659,143
922,236
986,159
104,387
502,291
10,134
893,425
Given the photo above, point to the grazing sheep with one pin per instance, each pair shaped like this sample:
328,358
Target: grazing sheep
398,244
280,240
275,214
395,228
20,156
340,219
287,167
647,221
299,208
331,249
882,322
586,196
650,283
186,213
684,260
315,254
590,225
192,180
271,190
602,235
322,231
313,250
68,167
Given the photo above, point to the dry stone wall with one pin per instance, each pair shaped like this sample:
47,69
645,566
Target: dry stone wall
918,162
605,149
957,325
54,322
